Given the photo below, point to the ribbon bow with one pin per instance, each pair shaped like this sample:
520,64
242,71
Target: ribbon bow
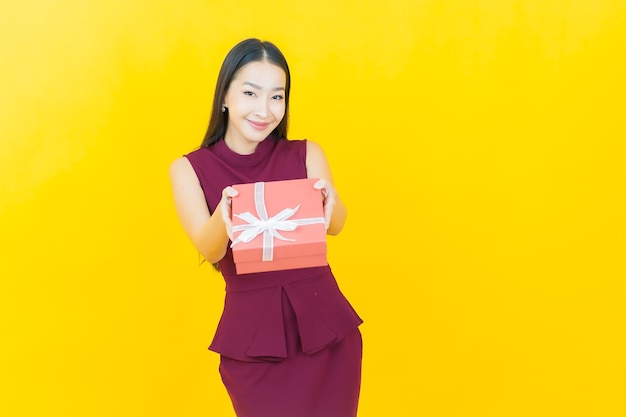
269,226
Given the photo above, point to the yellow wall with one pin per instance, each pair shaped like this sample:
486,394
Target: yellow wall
479,145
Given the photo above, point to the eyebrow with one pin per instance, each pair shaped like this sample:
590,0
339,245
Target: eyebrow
258,87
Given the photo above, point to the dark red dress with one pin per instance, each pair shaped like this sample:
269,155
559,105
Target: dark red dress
289,340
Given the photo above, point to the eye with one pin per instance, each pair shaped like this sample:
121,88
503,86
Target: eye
249,93
278,97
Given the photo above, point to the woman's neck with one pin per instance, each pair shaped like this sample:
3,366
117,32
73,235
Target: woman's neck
242,146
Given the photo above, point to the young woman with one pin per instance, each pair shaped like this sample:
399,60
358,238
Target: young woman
288,341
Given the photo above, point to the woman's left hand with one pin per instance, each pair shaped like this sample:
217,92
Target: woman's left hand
226,209
329,194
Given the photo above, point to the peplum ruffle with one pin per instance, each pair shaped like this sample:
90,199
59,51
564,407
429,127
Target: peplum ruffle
252,328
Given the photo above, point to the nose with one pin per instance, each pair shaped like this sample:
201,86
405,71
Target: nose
262,109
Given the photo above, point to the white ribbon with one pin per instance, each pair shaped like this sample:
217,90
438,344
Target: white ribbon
269,226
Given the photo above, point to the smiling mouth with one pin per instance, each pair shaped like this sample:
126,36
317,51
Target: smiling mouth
258,125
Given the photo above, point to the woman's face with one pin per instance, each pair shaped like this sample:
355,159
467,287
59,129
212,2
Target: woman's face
256,105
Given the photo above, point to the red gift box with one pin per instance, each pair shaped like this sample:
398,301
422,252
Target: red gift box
278,225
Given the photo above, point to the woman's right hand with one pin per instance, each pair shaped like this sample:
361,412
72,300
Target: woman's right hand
228,194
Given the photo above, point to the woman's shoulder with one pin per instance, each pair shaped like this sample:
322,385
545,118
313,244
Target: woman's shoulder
180,166
285,146
199,156
305,145
314,150
291,142
189,161
196,153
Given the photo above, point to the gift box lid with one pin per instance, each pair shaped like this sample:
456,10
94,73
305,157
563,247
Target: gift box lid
277,220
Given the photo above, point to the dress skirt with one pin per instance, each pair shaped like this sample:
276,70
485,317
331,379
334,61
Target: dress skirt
322,384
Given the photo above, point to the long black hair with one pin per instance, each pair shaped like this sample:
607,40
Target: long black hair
246,51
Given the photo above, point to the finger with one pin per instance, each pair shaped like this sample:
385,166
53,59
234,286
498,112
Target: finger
229,231
328,214
329,205
226,213
231,192
320,184
228,193
323,186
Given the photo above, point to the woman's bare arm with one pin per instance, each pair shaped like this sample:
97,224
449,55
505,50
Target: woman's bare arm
317,167
207,232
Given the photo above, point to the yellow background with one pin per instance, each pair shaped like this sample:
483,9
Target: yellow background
479,146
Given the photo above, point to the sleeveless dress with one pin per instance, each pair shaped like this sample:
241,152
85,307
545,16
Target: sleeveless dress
288,341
